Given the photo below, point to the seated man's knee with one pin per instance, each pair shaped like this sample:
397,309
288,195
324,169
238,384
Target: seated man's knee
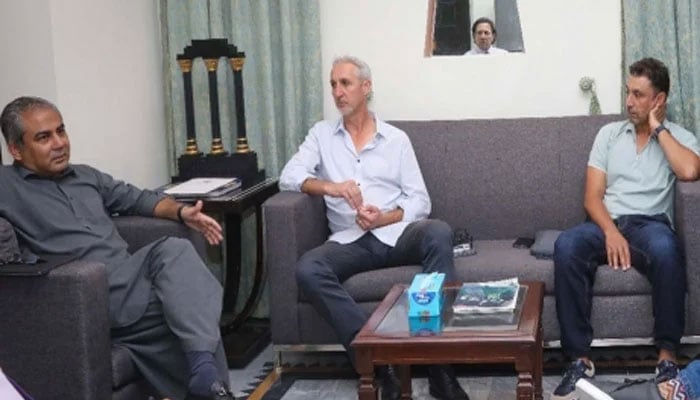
666,250
567,244
306,270
664,246
437,231
173,242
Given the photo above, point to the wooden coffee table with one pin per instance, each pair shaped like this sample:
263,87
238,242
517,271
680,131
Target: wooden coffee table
385,339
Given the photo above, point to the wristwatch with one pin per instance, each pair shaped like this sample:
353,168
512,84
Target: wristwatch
658,130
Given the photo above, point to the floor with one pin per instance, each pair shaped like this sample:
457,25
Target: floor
481,387
243,379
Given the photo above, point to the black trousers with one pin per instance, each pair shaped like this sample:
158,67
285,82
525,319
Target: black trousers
321,271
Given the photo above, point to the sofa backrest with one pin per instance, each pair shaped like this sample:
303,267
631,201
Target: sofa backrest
506,178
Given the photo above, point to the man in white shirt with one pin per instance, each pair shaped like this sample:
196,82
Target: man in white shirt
377,207
484,36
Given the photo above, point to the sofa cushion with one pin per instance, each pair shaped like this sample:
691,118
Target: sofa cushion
495,259
543,248
498,259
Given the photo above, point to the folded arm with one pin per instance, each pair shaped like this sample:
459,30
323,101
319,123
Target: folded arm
684,161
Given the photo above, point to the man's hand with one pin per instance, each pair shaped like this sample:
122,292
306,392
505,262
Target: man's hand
206,225
349,190
657,113
368,217
618,250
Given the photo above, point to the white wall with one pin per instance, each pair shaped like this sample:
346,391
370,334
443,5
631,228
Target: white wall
26,64
100,61
564,41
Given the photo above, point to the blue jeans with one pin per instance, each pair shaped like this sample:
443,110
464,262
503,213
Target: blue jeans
655,251
321,271
690,377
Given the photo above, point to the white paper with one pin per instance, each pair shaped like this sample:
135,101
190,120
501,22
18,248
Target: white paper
587,391
7,391
197,186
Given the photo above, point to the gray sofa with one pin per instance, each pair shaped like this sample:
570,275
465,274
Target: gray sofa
499,179
54,333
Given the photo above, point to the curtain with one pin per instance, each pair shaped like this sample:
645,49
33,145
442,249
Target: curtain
668,30
282,84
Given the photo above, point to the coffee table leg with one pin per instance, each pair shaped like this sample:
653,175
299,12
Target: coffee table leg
367,389
525,389
405,378
538,361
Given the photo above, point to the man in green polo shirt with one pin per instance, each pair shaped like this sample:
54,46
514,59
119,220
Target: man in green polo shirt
632,170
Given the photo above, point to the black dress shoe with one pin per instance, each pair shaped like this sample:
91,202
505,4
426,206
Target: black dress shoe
391,386
217,391
443,383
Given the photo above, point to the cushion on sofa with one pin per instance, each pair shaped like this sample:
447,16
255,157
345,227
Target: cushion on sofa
543,248
495,259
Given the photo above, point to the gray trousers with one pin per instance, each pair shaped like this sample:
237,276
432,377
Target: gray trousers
177,303
321,271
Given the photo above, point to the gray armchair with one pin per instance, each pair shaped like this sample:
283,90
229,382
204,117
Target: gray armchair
54,331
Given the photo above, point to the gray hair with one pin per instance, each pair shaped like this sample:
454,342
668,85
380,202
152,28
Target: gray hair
11,117
363,70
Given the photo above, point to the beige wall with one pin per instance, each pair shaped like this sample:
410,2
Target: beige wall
100,61
564,41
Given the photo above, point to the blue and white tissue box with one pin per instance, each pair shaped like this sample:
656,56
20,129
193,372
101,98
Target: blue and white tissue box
425,326
425,295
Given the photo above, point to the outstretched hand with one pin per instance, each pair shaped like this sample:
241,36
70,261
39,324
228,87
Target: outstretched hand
206,225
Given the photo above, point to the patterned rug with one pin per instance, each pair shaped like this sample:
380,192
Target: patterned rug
311,382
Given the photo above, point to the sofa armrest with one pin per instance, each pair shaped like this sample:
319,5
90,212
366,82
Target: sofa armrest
293,223
687,216
140,231
55,335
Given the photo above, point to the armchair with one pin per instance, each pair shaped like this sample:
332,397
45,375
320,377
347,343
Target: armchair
55,333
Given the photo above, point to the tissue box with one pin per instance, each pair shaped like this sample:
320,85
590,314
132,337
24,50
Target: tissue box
425,295
425,326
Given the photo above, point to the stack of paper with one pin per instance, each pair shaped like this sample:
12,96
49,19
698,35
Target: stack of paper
204,188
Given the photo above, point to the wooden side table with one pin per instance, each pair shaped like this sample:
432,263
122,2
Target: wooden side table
242,342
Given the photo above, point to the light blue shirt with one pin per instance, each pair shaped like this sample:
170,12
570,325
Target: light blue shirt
386,170
637,183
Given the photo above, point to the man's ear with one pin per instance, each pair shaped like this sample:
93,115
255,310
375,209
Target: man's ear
661,98
367,86
14,151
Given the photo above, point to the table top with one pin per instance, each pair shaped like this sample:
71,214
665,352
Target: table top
389,321
238,201
396,321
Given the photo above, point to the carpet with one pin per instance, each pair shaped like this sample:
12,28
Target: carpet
313,383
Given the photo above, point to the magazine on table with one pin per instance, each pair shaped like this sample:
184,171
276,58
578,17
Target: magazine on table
487,297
